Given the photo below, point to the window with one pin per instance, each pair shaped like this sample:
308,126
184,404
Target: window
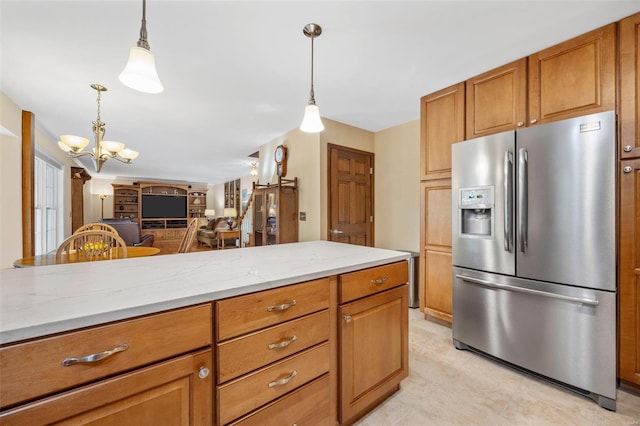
48,208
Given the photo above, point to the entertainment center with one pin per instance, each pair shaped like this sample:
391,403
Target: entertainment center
161,209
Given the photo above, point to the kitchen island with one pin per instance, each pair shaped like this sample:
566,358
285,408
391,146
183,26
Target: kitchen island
174,306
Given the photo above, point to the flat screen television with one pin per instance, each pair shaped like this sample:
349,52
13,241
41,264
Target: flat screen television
161,206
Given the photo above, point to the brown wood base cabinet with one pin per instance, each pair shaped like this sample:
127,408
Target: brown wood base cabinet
173,384
264,358
373,335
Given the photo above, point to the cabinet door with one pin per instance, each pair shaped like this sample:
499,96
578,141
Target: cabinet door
258,218
442,123
629,278
629,108
573,78
496,100
435,272
175,392
374,350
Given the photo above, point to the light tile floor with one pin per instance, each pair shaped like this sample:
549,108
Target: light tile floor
447,386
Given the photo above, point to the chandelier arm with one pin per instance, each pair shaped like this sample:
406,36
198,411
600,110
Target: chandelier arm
120,159
73,154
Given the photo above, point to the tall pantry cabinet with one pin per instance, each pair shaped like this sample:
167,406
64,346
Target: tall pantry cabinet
441,124
570,79
629,169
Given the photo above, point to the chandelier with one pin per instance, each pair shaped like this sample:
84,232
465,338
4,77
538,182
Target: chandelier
103,150
311,123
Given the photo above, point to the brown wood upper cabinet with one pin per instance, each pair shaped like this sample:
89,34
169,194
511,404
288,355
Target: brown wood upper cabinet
497,100
629,108
573,78
441,124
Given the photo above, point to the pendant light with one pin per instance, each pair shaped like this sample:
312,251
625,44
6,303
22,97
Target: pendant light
140,72
311,123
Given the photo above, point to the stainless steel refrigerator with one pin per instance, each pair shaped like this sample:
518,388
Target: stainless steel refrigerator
534,251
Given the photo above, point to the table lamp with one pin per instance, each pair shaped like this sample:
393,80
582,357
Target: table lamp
209,213
230,214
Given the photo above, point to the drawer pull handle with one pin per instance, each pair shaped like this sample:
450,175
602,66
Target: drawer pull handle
282,307
379,280
284,343
283,381
95,357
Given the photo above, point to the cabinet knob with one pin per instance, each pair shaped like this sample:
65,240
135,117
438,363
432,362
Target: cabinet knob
627,169
627,148
203,373
533,121
347,318
520,123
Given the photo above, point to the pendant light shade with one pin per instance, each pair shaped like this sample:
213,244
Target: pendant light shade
140,72
311,123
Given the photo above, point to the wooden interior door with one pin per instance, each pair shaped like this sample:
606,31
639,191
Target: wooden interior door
350,196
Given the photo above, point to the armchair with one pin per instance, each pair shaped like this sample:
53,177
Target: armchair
209,234
129,231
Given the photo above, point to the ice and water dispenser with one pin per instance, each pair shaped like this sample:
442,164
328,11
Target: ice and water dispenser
476,209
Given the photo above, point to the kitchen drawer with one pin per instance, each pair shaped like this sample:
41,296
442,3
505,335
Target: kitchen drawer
355,285
249,352
309,405
244,314
34,368
244,395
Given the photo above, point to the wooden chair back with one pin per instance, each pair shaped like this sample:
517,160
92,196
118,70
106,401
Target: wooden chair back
187,240
96,226
90,246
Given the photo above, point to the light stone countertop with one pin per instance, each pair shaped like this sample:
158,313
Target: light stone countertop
42,300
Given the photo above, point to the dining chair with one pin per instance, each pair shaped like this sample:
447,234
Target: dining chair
89,246
96,226
187,240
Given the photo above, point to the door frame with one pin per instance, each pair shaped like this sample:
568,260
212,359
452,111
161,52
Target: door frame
371,155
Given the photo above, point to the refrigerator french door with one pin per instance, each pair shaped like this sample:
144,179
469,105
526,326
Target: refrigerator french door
534,276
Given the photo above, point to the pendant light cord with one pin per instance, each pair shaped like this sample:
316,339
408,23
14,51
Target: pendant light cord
142,42
312,99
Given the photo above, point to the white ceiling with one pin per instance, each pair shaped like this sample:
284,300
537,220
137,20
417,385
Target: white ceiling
237,73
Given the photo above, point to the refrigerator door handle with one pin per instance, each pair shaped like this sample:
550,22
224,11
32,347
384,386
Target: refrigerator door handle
522,199
584,301
508,201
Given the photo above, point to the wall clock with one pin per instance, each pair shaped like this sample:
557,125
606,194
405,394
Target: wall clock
281,160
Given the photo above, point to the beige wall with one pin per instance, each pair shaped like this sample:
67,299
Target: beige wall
10,184
11,180
397,194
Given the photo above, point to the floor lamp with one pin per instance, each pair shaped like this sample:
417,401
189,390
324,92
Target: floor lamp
102,197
